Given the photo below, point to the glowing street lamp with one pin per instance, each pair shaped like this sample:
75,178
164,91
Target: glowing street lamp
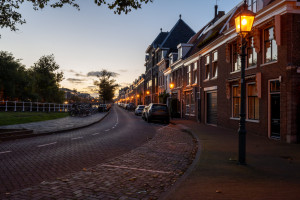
172,86
138,96
243,22
147,92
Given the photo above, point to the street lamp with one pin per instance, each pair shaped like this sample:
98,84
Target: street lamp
147,92
243,22
171,86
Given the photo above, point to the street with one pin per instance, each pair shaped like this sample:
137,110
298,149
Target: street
120,144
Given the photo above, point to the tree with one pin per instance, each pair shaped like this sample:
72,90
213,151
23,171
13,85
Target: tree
10,17
13,76
46,80
107,86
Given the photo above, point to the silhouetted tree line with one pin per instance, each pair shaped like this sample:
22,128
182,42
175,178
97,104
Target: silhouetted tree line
38,83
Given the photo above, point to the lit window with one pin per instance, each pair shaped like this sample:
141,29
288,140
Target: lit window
236,101
253,103
270,45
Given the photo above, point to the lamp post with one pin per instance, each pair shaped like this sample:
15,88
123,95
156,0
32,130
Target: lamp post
243,22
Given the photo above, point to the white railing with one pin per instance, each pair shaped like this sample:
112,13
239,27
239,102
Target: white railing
17,106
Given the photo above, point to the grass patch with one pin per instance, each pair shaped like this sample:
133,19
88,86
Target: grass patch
9,118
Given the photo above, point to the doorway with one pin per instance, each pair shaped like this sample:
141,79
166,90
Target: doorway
275,109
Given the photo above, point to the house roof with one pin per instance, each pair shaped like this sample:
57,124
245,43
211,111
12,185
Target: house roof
159,39
180,33
210,31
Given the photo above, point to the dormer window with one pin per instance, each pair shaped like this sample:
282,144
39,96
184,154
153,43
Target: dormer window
183,49
252,5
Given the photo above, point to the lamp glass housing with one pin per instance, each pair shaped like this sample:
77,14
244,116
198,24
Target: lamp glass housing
171,85
244,21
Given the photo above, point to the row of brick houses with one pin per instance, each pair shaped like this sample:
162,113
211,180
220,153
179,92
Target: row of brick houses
204,68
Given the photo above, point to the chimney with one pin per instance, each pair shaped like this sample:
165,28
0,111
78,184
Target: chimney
216,11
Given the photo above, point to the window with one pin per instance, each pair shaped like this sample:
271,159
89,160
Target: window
252,55
252,5
236,59
236,101
189,75
253,104
275,86
195,73
207,67
215,64
270,45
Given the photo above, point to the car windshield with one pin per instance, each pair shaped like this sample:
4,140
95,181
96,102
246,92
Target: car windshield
141,107
160,107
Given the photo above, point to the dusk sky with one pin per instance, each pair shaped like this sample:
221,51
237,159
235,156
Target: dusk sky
95,38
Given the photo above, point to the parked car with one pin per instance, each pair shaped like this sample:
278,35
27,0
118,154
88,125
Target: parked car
158,112
102,108
130,107
144,112
139,109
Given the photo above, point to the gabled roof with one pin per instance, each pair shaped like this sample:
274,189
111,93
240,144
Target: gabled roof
180,33
159,39
211,31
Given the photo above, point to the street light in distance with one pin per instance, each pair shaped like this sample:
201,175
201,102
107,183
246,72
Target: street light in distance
171,85
243,23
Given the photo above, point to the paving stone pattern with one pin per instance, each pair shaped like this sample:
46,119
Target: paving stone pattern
60,124
144,173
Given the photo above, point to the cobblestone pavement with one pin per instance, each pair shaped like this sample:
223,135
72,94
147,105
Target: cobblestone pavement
143,173
60,124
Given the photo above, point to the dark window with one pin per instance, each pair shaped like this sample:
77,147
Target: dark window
252,55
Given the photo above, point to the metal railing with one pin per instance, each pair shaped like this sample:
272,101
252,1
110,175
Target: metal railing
17,106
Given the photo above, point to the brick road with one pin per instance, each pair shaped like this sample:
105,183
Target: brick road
143,173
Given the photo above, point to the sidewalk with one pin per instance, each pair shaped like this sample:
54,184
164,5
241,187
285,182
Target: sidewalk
272,170
58,125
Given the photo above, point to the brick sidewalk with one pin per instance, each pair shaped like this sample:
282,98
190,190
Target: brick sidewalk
61,124
272,170
144,173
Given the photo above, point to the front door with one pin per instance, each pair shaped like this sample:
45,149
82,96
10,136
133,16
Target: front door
275,115
212,111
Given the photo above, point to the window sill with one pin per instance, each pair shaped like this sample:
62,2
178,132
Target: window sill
247,120
252,120
235,72
194,84
233,118
214,78
251,67
269,63
206,80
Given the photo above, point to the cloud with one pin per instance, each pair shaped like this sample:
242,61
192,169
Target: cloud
122,70
75,80
124,84
80,75
98,73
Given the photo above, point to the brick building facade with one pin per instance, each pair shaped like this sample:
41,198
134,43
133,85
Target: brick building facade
205,71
